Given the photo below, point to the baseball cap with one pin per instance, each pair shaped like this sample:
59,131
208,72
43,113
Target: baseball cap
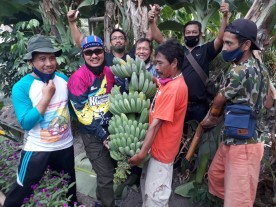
245,28
40,43
91,41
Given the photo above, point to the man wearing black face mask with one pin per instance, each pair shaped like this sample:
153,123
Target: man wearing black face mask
89,87
40,101
203,54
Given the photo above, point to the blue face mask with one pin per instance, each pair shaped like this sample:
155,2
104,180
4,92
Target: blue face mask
233,55
44,77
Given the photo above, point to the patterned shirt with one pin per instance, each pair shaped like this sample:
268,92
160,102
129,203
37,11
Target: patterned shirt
242,85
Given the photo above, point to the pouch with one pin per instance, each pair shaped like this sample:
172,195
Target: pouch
240,121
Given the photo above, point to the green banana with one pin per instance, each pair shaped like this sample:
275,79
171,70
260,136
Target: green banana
134,68
141,80
127,149
127,105
145,86
138,105
111,129
124,117
144,116
133,106
122,106
134,81
142,134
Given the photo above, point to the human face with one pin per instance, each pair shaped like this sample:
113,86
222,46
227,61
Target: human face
117,39
94,56
163,67
143,50
192,30
230,41
44,62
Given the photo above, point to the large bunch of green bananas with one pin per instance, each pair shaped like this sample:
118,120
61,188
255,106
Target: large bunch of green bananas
140,78
129,103
129,123
126,136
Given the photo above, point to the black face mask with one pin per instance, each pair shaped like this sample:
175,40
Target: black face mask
191,41
118,48
43,76
96,70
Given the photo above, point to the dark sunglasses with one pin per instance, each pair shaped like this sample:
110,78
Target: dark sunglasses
91,52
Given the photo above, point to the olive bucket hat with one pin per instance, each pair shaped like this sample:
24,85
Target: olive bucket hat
40,43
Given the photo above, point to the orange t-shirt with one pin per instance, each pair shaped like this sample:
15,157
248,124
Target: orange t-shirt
170,105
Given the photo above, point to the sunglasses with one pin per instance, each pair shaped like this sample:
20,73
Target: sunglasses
91,52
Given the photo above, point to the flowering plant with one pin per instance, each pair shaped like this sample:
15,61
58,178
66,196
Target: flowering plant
9,159
50,191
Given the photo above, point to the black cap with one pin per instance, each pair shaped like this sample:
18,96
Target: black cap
245,28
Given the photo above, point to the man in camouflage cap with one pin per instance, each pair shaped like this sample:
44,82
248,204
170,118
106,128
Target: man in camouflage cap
233,174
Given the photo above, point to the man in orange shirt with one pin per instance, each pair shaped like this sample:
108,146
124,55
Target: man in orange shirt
163,137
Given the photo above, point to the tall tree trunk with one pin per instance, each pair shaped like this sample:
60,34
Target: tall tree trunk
50,14
109,23
138,17
263,13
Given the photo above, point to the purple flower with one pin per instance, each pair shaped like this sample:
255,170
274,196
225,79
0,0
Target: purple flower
25,200
65,205
34,187
47,195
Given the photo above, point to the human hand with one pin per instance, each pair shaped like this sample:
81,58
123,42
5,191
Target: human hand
105,143
72,15
224,8
153,13
136,159
210,121
48,90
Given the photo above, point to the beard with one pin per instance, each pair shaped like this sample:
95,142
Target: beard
118,48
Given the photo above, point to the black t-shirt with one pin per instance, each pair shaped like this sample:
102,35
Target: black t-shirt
203,54
109,57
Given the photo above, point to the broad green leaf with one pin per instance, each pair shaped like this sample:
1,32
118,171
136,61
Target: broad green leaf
184,190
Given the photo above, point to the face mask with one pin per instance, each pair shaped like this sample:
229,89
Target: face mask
232,56
164,81
43,77
96,70
118,48
191,41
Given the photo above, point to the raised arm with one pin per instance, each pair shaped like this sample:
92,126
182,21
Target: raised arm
153,32
224,8
72,16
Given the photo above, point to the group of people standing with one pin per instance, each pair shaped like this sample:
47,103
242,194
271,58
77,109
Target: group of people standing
41,101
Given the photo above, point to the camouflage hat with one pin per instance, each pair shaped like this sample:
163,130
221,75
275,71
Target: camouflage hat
40,43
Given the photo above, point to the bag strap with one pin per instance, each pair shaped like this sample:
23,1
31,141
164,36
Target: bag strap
197,67
257,105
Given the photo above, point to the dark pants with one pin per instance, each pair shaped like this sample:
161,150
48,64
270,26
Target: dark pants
102,164
195,111
31,169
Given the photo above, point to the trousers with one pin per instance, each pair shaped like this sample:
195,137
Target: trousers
234,173
103,166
